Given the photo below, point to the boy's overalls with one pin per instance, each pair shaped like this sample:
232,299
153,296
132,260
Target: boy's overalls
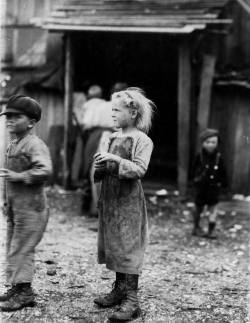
26,206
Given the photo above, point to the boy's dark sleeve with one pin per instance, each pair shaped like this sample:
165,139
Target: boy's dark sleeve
41,165
223,174
196,170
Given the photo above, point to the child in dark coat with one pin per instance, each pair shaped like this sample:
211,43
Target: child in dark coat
209,176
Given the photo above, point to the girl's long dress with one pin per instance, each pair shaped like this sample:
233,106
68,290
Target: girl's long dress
122,235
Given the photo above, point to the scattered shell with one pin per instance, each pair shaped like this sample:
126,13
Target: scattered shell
162,192
239,197
51,272
190,205
153,200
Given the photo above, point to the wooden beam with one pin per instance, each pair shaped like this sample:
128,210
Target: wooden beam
68,100
184,111
204,100
171,30
244,5
3,144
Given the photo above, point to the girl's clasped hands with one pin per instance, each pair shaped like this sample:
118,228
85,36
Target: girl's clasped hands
11,175
100,159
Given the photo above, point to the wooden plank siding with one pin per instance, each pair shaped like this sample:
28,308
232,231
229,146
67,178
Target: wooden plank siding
230,114
184,114
68,102
86,15
53,112
204,99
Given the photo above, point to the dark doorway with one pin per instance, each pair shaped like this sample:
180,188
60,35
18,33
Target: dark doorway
149,61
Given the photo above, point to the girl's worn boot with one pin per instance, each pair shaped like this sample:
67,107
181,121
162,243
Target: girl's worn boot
197,231
117,293
129,308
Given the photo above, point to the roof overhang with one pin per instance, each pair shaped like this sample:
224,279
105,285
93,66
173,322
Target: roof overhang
167,30
148,16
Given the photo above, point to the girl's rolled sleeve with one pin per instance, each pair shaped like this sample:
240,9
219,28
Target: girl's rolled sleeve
136,168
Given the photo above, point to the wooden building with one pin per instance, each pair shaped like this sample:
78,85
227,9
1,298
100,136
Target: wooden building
180,51
148,44
31,59
230,111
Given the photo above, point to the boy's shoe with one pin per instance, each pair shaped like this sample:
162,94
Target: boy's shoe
198,232
113,298
211,236
24,298
10,292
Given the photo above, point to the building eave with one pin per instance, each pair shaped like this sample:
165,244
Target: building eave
168,30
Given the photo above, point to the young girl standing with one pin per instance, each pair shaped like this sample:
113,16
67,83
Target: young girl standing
123,223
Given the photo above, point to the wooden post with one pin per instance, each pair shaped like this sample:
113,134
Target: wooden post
68,100
204,101
3,142
3,226
184,110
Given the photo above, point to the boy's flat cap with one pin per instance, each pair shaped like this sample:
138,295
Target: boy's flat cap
208,133
21,104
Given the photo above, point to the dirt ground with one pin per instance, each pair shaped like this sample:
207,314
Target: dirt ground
185,279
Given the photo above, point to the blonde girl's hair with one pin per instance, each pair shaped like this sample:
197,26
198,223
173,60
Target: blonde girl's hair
134,98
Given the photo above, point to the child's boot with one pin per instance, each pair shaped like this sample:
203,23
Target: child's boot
129,308
117,293
197,231
210,234
23,298
9,293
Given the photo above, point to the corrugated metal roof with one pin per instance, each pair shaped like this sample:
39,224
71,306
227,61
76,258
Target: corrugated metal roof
173,16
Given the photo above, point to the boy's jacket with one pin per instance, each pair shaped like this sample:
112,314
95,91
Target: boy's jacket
29,156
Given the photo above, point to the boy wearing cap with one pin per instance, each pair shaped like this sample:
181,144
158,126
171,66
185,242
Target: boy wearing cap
209,175
28,166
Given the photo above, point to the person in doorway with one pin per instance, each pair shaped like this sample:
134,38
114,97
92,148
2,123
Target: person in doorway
119,86
105,113
28,167
122,234
97,118
79,100
209,176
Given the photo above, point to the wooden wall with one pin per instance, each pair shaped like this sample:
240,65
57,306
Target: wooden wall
52,105
230,114
21,34
235,46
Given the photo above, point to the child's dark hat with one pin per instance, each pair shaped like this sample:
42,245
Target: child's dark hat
21,104
208,133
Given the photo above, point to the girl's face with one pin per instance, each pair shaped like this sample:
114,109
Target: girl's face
123,117
18,123
210,144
